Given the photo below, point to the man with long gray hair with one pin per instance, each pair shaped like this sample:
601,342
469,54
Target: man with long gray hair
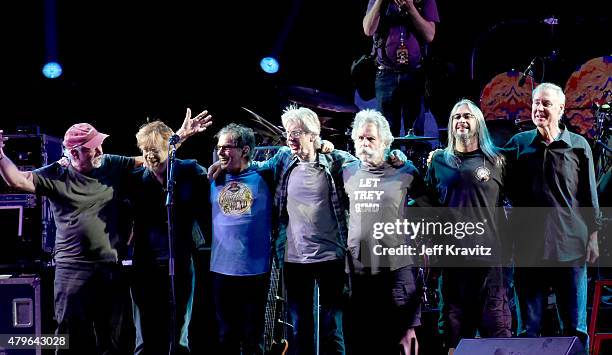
468,176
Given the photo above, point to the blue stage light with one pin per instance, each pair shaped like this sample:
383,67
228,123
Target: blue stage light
52,70
269,65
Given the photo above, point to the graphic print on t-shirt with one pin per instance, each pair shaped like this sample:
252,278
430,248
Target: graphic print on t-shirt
235,199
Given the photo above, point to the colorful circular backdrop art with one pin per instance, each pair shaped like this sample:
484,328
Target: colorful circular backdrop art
591,83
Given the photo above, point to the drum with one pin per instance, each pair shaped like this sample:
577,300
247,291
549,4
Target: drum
588,85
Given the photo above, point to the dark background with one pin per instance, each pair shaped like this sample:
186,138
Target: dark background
125,61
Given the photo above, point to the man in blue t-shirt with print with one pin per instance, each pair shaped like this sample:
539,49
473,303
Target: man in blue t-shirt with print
241,203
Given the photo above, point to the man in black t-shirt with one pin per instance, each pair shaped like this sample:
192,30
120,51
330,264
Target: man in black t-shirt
468,176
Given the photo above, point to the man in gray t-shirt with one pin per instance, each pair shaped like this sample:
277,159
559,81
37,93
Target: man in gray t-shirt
385,303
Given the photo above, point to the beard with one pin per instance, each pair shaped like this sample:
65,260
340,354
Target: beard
97,162
464,137
369,155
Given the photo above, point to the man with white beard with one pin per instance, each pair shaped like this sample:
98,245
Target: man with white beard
385,301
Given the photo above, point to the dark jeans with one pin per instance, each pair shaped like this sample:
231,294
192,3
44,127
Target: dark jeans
151,296
570,287
475,299
240,306
398,97
89,302
382,308
299,281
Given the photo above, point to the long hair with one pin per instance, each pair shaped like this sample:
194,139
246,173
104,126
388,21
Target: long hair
482,134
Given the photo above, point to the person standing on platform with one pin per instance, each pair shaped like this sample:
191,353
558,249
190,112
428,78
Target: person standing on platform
401,29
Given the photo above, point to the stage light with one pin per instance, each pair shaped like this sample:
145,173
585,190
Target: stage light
269,65
52,70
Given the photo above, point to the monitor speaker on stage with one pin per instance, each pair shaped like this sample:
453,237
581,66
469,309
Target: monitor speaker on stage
26,220
523,346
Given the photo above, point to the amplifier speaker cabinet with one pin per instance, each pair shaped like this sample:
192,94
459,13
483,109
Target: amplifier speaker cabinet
20,311
26,221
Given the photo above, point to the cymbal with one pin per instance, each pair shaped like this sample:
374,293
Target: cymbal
412,138
271,128
315,98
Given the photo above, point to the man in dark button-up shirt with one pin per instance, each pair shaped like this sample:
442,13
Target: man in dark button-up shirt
553,189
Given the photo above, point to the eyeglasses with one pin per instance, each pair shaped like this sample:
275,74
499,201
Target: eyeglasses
465,115
293,134
225,148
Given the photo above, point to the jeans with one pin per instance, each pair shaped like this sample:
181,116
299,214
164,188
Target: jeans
398,97
570,286
151,296
299,281
89,305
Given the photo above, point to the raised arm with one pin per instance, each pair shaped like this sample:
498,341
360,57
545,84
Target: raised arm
194,125
426,29
21,180
371,19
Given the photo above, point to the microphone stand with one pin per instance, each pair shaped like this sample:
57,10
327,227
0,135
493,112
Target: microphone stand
170,213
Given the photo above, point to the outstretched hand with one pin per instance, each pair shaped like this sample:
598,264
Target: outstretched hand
194,125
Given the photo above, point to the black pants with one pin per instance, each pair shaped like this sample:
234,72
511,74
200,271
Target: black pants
382,308
474,299
151,296
240,306
89,305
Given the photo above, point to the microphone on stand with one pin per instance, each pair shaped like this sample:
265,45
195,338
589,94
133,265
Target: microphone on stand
174,139
525,73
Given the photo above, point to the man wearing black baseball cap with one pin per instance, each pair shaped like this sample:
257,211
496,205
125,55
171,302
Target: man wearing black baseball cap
88,295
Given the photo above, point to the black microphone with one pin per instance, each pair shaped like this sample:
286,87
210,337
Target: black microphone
174,139
525,73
